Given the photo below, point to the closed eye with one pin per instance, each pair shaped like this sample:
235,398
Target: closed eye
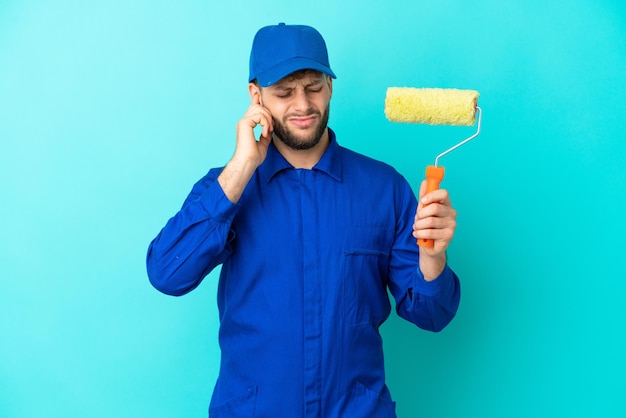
283,93
286,92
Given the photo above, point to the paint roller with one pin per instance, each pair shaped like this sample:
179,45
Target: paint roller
434,106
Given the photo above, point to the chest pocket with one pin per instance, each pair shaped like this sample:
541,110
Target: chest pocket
365,273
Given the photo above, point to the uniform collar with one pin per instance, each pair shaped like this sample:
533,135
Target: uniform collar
330,163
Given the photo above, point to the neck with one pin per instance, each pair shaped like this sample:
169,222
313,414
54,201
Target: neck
303,158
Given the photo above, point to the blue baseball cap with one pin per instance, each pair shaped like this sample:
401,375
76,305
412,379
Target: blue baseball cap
280,50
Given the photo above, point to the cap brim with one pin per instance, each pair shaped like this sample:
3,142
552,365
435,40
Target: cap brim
282,70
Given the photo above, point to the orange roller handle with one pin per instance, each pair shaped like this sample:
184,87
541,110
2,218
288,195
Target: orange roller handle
434,175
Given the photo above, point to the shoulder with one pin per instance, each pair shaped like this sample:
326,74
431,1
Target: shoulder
378,182
375,176
371,167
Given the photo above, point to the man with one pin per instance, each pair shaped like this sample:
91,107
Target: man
310,236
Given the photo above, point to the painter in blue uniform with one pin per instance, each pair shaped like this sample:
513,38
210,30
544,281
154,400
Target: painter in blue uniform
310,236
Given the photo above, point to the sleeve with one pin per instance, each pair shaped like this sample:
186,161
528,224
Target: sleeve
429,305
194,241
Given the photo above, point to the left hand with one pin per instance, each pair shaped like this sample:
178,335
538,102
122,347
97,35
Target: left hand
434,219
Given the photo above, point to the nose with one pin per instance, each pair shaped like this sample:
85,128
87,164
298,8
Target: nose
301,101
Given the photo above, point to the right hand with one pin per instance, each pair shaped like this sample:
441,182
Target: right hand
249,153
248,149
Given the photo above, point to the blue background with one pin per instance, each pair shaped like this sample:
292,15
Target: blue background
111,110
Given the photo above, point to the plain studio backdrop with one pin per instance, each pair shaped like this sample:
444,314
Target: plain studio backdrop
111,110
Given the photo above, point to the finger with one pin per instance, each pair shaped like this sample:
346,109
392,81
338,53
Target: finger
440,196
435,222
437,209
434,228
265,113
439,235
259,115
426,211
267,123
434,215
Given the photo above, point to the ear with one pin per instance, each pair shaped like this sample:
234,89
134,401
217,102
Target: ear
255,93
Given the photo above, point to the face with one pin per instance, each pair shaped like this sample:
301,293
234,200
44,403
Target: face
300,106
